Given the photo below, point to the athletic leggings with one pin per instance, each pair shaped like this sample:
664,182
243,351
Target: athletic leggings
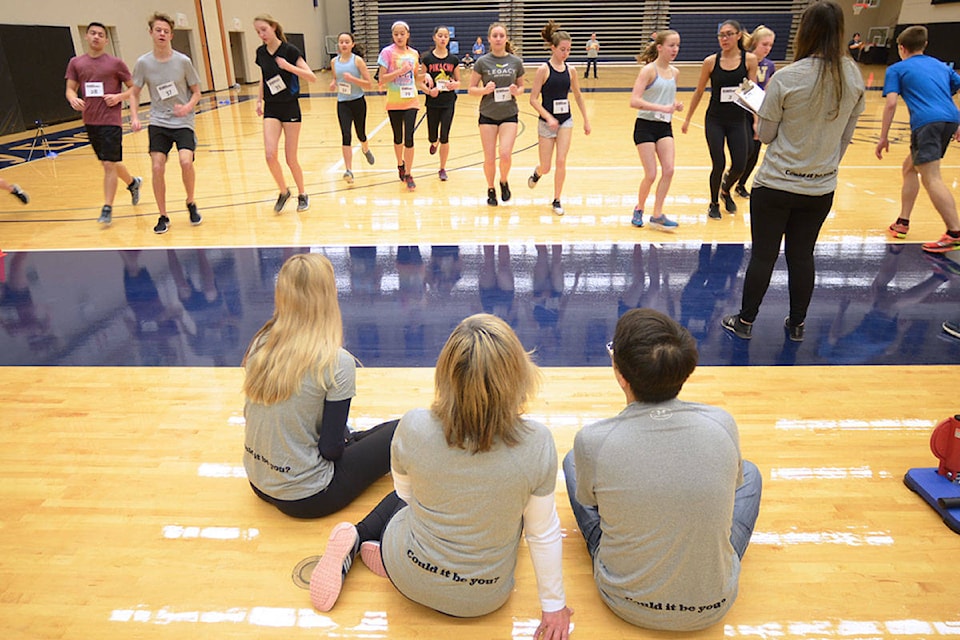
403,122
736,134
797,219
365,460
374,524
753,154
439,119
352,112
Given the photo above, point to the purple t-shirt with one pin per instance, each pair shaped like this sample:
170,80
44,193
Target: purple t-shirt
97,77
765,69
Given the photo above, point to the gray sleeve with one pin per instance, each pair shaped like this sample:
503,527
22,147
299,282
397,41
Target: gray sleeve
586,471
547,480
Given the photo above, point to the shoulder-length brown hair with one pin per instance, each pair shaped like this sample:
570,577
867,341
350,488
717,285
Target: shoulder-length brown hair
484,379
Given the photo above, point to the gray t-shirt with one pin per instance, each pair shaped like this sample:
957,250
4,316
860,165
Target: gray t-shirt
170,82
504,71
282,441
454,548
663,478
805,155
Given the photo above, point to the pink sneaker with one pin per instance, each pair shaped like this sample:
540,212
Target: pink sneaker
326,581
370,554
443,175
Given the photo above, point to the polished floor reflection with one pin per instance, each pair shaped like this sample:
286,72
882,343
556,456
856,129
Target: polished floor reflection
874,303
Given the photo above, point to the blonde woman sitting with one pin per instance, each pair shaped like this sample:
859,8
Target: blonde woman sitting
298,452
471,475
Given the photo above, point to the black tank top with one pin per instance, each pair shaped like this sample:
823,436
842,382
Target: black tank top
557,87
720,78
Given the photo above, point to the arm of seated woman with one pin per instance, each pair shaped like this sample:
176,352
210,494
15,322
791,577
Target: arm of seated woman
332,428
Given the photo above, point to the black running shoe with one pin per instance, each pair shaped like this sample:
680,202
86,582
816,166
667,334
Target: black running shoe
163,225
134,189
492,197
504,191
195,217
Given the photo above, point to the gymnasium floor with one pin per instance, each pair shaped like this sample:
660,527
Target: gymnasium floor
126,510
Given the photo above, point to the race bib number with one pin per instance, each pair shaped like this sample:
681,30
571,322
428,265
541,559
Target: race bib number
408,92
561,106
728,94
93,89
344,88
502,94
167,90
662,117
442,85
276,85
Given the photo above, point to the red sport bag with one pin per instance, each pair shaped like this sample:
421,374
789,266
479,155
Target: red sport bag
945,444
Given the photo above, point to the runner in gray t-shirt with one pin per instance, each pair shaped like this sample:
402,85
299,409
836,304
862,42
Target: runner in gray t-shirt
660,492
174,94
497,79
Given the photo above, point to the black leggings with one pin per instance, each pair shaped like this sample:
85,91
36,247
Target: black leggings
352,112
365,460
590,61
797,219
753,154
375,523
403,123
735,132
439,119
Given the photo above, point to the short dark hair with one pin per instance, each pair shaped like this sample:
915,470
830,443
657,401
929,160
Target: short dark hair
913,39
654,354
98,24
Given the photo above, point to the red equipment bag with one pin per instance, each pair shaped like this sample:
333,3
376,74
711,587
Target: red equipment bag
945,444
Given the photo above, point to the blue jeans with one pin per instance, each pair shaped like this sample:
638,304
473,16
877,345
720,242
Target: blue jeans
746,508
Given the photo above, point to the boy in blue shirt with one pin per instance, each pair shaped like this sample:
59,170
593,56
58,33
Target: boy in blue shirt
927,86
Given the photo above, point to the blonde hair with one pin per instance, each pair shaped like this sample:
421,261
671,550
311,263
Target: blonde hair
494,25
277,27
751,41
305,333
484,379
650,53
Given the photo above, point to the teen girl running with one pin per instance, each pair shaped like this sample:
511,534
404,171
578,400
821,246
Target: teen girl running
283,68
351,78
442,79
759,43
725,121
497,79
553,83
655,97
400,71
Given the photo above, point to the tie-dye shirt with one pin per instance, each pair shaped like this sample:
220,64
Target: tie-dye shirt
392,58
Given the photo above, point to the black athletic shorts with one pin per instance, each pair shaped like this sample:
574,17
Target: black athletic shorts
162,139
288,111
107,141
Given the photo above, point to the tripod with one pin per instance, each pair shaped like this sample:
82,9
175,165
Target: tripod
40,139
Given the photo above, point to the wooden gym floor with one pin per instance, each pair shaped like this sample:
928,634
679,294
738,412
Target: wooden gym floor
126,512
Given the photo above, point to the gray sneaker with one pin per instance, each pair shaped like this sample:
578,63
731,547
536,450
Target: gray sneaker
281,200
19,193
134,189
303,202
106,215
369,156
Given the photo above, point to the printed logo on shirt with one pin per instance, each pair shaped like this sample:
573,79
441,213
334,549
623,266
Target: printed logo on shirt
429,567
661,414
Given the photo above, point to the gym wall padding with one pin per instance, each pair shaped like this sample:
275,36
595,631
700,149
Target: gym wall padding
32,77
